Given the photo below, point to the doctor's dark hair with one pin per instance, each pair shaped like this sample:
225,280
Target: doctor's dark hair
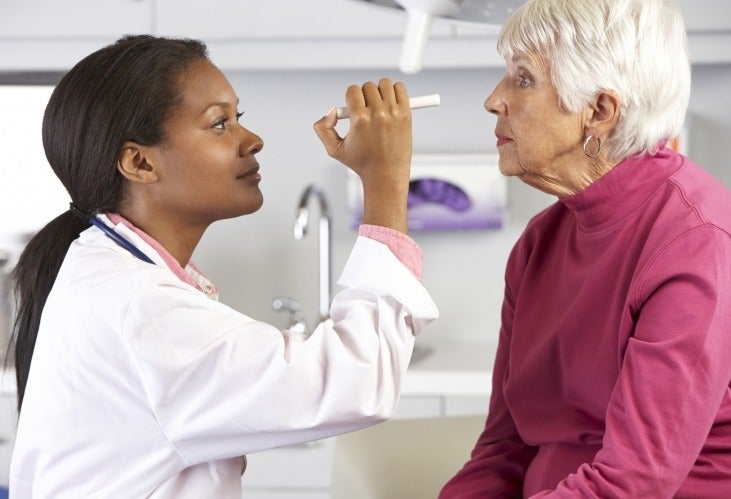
125,91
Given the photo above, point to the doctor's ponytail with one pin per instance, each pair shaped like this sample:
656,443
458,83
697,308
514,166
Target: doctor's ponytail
123,92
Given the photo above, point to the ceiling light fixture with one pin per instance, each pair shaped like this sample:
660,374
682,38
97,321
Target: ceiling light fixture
421,13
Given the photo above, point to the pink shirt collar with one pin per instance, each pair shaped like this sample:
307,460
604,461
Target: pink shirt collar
191,274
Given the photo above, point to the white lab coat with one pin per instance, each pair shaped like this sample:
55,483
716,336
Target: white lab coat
141,386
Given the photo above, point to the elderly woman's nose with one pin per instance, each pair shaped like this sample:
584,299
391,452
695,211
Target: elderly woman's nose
494,103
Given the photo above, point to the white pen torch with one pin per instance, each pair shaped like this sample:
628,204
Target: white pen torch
414,103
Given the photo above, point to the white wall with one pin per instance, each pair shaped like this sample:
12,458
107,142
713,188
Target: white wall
255,258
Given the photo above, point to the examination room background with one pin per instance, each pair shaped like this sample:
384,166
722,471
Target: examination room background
255,258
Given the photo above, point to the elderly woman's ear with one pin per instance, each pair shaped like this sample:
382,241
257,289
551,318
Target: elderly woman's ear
603,114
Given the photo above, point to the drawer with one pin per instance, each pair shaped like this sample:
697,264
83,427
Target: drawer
8,417
419,407
299,466
295,494
467,406
6,452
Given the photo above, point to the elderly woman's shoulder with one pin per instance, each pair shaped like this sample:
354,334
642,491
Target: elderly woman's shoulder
705,194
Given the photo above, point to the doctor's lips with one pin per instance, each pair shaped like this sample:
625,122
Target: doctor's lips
251,173
502,139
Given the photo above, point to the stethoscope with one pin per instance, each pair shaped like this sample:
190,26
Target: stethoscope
110,233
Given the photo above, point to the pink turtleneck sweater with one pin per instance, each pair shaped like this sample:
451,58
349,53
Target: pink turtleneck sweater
612,373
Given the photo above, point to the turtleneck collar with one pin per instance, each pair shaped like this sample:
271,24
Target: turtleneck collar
622,190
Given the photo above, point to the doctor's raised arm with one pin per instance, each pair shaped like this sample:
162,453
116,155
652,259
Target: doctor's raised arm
377,148
124,354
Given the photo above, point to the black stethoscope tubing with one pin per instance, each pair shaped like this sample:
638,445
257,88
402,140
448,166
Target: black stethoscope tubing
111,234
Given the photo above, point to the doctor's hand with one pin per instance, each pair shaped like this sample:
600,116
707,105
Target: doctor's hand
377,148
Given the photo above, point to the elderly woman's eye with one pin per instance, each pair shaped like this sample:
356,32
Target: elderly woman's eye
523,81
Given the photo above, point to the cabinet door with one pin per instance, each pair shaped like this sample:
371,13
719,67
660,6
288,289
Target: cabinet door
297,467
8,423
705,15
73,18
412,407
308,467
279,19
297,494
466,406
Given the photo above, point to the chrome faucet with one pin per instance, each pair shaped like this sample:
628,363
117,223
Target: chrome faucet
297,322
325,242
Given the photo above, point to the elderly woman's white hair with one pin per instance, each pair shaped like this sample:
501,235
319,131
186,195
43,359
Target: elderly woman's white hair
637,48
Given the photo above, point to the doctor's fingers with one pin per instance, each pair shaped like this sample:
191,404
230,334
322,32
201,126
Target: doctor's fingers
380,126
325,130
385,97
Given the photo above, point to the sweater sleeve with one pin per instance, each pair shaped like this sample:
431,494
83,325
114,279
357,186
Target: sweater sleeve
500,458
674,375
401,245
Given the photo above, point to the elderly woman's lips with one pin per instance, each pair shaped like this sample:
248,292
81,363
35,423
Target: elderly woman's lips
502,139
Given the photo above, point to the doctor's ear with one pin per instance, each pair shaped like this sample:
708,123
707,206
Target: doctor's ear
134,165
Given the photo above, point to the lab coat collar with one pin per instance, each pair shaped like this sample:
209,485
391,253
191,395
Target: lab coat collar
191,274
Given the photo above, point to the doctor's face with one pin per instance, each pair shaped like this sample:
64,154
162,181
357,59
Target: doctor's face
206,164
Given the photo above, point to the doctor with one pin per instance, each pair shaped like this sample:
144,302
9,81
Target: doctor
133,381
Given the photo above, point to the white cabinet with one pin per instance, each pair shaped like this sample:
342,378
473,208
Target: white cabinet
705,15
296,470
276,19
47,35
52,35
271,494
8,423
453,380
291,34
305,471
73,18
708,24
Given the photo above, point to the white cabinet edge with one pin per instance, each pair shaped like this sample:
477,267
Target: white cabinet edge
316,54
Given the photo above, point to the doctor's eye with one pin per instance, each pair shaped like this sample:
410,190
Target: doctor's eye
220,124
223,121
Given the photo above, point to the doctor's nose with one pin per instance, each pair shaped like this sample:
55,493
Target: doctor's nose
251,143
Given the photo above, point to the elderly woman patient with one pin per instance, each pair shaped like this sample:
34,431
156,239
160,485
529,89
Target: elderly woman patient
612,373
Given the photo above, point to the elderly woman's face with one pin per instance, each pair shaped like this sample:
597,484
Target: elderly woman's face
538,141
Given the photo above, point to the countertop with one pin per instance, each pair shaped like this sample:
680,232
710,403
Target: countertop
438,368
456,367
